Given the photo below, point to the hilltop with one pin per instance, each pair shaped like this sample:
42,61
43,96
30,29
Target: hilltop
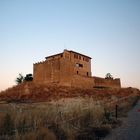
29,91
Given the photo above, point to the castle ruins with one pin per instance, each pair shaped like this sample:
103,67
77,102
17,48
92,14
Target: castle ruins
70,69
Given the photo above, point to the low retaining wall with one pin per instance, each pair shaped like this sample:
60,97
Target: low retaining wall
82,82
108,83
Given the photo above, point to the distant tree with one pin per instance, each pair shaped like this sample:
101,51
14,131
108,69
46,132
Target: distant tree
19,79
28,77
108,76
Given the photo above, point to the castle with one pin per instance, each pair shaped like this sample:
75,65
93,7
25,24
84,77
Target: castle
70,69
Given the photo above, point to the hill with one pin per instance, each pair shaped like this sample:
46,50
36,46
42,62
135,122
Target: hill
29,91
57,112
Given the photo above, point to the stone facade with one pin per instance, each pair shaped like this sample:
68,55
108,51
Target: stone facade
69,69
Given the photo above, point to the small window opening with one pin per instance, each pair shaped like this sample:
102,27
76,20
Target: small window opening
87,60
76,56
61,55
87,74
77,72
80,65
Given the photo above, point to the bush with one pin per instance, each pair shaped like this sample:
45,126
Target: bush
28,77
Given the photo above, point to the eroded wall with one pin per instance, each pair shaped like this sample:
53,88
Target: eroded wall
81,64
82,82
47,71
61,68
111,83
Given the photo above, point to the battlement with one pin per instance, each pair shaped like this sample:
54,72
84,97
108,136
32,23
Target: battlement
41,62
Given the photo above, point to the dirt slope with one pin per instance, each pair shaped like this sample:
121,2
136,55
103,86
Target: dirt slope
32,92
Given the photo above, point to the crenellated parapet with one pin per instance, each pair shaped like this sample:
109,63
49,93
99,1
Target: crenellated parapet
41,62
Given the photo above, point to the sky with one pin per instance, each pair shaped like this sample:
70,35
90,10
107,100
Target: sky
106,30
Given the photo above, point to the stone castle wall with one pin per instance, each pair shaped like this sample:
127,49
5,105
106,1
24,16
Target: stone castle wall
70,69
82,82
102,82
61,68
47,71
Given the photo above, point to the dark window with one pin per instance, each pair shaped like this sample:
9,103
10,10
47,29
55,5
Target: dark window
87,59
80,65
79,57
77,72
61,55
76,56
87,73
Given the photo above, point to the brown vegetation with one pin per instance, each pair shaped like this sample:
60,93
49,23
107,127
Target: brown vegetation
64,113
28,91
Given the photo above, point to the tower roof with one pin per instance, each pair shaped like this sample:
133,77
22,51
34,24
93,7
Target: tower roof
80,54
68,51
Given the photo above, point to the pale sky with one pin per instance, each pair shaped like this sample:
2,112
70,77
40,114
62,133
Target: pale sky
106,30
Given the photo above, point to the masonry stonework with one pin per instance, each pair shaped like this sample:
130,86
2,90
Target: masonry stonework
69,69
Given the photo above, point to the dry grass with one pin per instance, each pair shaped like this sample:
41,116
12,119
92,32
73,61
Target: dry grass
70,118
65,114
